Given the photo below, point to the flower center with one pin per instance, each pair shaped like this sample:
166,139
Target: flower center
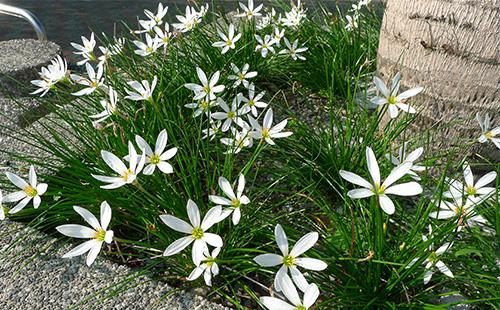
488,134
155,159
265,133
241,76
231,114
206,89
392,100
149,49
93,84
197,233
126,175
459,210
204,104
235,203
471,190
251,103
100,235
379,189
229,42
432,257
288,261
31,191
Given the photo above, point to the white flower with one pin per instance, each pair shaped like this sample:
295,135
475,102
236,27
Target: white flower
241,76
235,200
212,131
433,259
253,101
201,106
32,190
109,107
266,20
461,209
86,50
311,294
158,158
148,48
293,51
98,234
239,140
249,11
146,25
125,175
384,189
392,99
265,45
142,90
2,212
232,114
410,158
208,268
278,35
486,132
267,131
295,16
163,36
51,75
190,20
291,260
352,22
197,231
228,42
206,89
160,13
471,189
92,82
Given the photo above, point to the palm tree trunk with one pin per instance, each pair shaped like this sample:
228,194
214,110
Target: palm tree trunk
452,49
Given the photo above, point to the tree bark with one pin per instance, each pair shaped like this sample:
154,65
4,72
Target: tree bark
452,49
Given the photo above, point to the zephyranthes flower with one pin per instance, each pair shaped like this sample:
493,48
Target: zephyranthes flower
86,50
126,175
291,260
294,50
32,190
433,259
98,234
265,45
142,90
49,76
208,267
267,131
228,42
93,81
392,99
462,210
378,189
109,107
479,189
486,132
232,114
235,200
160,13
402,157
207,89
158,158
311,294
249,11
241,76
254,101
148,48
197,231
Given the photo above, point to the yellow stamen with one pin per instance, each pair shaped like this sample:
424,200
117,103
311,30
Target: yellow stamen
126,175
197,233
488,134
100,235
235,203
155,159
265,133
231,115
288,261
31,191
392,100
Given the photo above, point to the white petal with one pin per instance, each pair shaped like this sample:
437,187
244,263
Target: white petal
289,289
268,260
298,278
355,179
386,204
16,180
94,251
311,263
193,213
178,245
304,244
161,142
176,224
405,189
272,303
397,173
88,217
197,272
20,205
226,187
281,239
113,162
211,218
76,231
213,239
32,176
360,193
444,269
373,168
311,295
81,249
486,179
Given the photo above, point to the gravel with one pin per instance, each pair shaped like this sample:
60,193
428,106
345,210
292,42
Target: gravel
34,276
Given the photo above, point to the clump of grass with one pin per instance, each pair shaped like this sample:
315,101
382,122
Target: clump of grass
374,259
